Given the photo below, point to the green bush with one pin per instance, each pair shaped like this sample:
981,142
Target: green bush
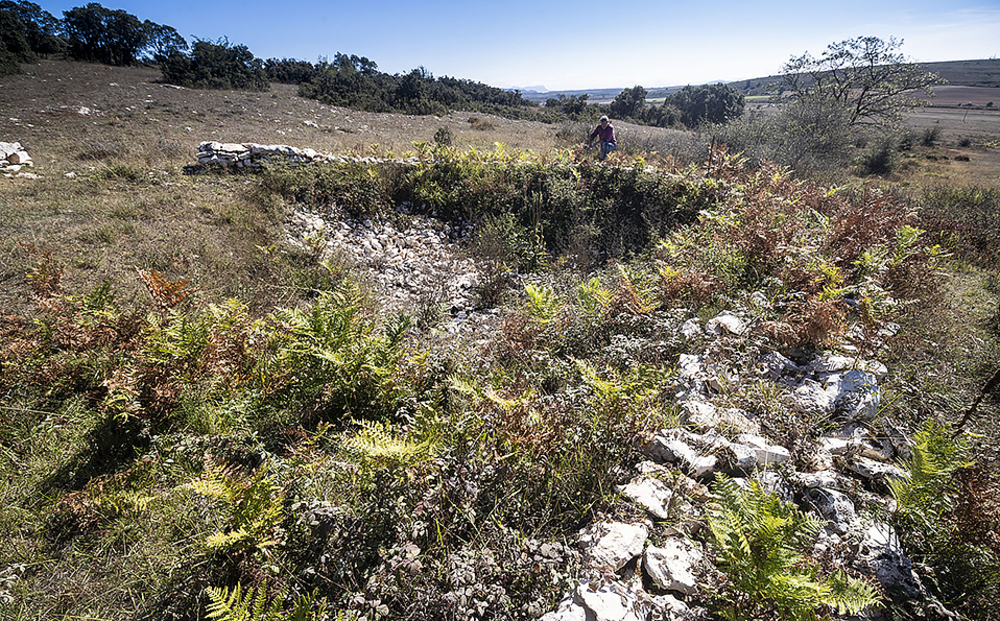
712,103
356,188
880,159
217,65
443,135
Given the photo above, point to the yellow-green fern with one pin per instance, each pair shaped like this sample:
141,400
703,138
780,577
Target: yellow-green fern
253,505
254,605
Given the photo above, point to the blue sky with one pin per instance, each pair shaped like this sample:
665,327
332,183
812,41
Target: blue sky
565,45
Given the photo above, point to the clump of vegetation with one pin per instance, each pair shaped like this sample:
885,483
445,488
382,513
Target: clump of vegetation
443,136
217,65
761,543
880,159
947,506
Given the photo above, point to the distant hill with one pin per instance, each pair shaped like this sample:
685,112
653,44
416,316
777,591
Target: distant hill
984,73
979,73
598,95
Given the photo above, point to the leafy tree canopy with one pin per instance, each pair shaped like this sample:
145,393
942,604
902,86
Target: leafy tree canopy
39,29
712,103
114,37
629,103
218,65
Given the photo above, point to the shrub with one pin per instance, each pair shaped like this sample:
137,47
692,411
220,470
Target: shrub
930,136
289,71
881,158
217,65
356,188
804,135
443,135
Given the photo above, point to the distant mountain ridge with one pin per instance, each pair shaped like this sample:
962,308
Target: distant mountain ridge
982,73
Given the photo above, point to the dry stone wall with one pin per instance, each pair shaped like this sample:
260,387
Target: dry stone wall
248,154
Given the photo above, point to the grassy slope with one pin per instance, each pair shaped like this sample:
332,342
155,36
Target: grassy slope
128,205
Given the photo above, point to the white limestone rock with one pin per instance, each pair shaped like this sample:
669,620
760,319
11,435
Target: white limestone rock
834,506
875,471
725,322
602,600
669,608
690,329
613,544
651,493
672,565
768,454
882,553
773,482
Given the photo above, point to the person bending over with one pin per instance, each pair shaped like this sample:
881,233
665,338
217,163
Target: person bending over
605,134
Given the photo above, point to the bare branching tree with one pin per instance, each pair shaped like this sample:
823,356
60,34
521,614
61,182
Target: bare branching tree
867,76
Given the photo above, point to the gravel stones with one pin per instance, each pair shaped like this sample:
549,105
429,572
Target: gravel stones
416,264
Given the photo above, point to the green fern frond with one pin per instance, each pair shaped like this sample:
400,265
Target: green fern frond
543,303
237,605
378,442
927,490
592,295
850,595
254,605
254,507
759,541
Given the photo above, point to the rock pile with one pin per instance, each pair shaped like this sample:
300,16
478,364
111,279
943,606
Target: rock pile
419,267
833,477
13,157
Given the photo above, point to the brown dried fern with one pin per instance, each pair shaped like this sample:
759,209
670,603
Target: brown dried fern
166,294
45,278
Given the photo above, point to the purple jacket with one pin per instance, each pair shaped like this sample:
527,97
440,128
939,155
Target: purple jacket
607,134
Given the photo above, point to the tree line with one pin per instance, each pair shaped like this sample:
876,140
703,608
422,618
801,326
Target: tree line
88,33
94,33
858,81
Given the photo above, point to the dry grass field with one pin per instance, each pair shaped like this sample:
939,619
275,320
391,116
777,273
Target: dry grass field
66,113
110,146
977,96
